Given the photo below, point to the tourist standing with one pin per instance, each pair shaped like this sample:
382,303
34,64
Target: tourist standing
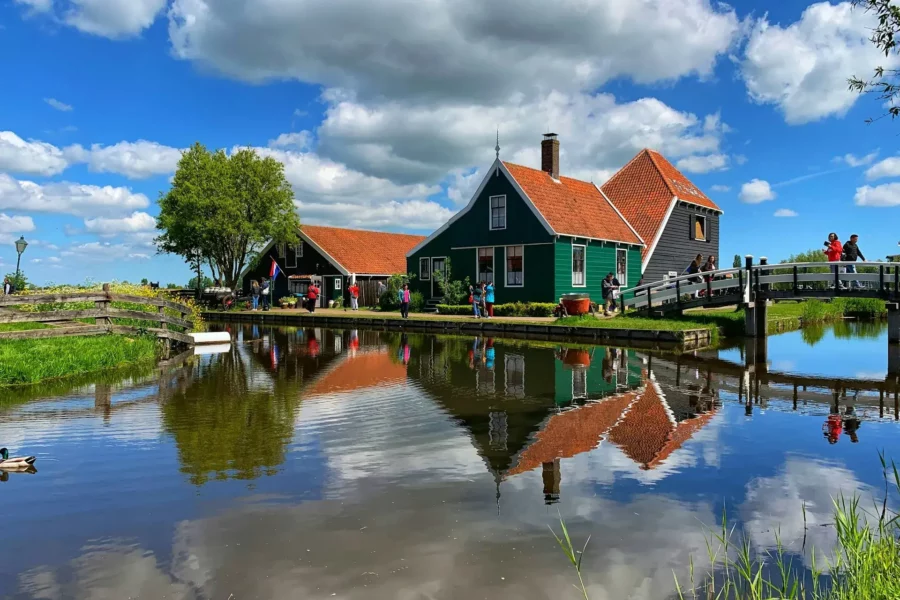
476,299
606,292
489,299
708,267
254,294
7,287
834,250
850,254
404,297
354,296
264,290
312,296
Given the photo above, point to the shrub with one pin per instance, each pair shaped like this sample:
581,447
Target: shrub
513,309
455,309
388,301
416,302
454,291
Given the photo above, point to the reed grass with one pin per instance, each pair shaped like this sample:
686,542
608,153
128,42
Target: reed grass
31,361
864,565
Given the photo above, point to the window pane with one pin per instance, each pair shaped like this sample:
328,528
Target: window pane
577,265
486,265
514,265
424,269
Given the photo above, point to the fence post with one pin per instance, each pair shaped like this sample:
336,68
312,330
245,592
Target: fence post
837,280
678,292
881,278
748,264
103,305
796,278
162,315
709,289
763,261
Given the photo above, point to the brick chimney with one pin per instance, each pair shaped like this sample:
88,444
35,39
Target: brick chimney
550,155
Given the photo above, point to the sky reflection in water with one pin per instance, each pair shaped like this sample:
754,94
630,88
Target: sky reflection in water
312,463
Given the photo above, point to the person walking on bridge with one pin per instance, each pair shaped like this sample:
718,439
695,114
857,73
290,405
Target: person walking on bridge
833,249
851,253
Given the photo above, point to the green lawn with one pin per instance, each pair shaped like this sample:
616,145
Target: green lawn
21,326
30,361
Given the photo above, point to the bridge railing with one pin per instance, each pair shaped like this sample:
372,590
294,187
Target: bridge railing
722,286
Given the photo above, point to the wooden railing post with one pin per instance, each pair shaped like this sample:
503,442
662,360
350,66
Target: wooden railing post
103,305
763,261
709,280
881,278
162,315
678,292
837,280
748,264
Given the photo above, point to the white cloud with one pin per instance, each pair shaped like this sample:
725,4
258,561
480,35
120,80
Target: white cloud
61,106
889,167
15,224
880,195
703,164
803,67
740,159
720,188
31,157
101,252
36,6
297,141
135,160
785,212
107,18
462,49
68,198
137,222
856,161
756,191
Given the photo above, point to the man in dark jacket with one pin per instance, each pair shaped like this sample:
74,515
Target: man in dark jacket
851,253
606,292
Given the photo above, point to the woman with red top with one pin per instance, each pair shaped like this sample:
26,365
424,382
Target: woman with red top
312,295
834,250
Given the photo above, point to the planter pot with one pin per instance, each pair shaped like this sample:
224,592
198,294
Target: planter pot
577,304
577,358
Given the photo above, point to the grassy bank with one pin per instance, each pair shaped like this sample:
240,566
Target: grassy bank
31,361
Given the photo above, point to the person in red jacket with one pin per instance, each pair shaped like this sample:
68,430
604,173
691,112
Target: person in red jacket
312,295
834,250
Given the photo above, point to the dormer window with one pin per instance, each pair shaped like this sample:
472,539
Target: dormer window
498,212
698,228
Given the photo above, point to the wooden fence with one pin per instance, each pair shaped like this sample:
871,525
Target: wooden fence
64,323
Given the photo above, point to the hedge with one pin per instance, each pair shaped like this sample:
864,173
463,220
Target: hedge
515,309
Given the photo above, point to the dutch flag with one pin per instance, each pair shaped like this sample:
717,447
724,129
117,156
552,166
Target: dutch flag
274,270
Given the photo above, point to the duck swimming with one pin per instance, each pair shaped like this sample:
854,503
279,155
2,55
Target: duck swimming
16,463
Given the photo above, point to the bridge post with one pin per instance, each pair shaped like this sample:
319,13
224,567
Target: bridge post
749,308
893,309
893,362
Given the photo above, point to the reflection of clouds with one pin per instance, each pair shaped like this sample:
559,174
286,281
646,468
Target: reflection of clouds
783,365
871,375
107,572
773,506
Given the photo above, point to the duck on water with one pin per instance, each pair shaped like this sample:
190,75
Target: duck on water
16,463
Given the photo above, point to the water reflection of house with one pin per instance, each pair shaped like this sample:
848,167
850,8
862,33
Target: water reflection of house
368,368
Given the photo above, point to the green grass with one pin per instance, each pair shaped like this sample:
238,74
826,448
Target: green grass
865,563
31,361
21,326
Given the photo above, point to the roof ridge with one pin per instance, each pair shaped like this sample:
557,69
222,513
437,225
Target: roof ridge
302,226
656,166
628,164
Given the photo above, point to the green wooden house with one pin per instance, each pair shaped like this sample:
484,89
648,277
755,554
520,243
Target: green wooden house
533,233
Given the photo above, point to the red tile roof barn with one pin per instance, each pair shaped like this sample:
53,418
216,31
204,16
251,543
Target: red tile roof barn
572,207
364,252
643,190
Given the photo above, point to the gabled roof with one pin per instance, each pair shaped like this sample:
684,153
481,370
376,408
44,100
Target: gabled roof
367,369
645,191
362,252
573,207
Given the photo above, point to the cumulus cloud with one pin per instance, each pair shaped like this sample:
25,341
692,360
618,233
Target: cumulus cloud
856,161
453,48
803,67
61,106
135,160
720,188
106,18
756,191
879,195
68,198
785,212
102,252
137,222
29,157
889,167
703,164
15,224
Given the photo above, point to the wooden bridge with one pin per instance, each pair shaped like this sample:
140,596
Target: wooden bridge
104,315
752,286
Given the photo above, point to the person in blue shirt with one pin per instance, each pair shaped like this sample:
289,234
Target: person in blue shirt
476,292
489,299
489,354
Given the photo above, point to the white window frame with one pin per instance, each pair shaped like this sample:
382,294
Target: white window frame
624,280
493,264
290,251
583,266
491,212
582,375
506,282
337,284
281,251
426,274
697,219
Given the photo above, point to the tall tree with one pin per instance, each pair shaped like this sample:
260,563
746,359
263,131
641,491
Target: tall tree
885,82
224,209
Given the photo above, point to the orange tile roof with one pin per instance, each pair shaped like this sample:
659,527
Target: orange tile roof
572,432
643,190
683,432
364,370
364,252
572,207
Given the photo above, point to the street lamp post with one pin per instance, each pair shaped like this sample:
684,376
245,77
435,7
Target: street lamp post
21,244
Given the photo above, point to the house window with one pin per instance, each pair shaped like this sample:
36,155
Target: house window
622,266
579,384
578,274
486,265
298,287
498,212
293,251
281,250
699,228
425,269
514,374
515,266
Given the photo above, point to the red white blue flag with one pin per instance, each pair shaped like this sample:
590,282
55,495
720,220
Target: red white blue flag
274,270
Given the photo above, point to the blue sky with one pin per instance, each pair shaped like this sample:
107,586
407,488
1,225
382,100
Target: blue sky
385,116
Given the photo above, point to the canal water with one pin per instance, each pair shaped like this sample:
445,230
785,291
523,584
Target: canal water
313,463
